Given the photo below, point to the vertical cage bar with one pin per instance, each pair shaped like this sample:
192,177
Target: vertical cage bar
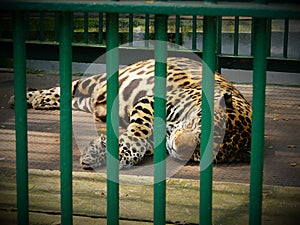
285,38
160,54
130,33
27,25
42,26
100,32
177,30
269,36
65,59
209,47
258,106
219,43
112,118
252,36
194,33
1,27
86,27
72,27
147,30
236,36
21,118
56,22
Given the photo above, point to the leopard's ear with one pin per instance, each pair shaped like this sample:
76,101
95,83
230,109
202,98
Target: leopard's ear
228,100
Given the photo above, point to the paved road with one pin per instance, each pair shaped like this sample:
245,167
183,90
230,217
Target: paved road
282,142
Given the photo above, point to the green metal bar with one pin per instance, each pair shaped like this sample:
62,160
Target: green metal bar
100,32
194,33
261,2
56,26
65,57
42,26
219,43
160,53
27,25
86,27
21,118
286,38
206,153
177,30
236,36
112,118
269,36
165,8
72,28
88,53
130,33
147,30
252,37
1,27
258,106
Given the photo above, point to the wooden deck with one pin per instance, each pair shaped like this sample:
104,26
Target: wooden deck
281,169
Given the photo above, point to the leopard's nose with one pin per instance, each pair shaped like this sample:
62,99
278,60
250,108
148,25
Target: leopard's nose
85,166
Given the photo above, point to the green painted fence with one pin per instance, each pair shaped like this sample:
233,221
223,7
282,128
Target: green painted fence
89,37
212,11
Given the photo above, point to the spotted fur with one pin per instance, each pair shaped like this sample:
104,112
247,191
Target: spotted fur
232,113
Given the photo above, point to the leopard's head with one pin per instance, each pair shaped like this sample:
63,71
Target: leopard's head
94,155
182,143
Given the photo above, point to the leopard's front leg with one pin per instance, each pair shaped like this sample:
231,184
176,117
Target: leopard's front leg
136,142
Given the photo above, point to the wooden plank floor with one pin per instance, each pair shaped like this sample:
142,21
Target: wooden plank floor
230,200
230,189
282,143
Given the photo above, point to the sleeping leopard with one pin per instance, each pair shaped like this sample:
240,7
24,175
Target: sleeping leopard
232,113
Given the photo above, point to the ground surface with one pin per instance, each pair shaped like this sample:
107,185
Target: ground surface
230,200
231,181
282,142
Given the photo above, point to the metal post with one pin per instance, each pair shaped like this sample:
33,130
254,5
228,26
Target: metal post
269,36
177,31
27,25
252,37
209,47
21,118
112,118
286,38
130,32
147,30
194,33
100,32
56,31
42,26
65,57
160,54
86,27
236,36
258,120
219,43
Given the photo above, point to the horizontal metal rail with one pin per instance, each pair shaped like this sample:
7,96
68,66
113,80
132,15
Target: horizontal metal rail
166,8
88,53
87,50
